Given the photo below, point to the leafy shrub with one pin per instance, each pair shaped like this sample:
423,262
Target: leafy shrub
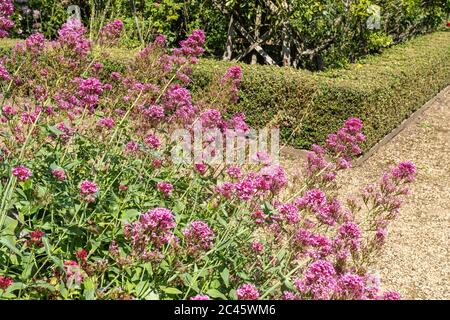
92,205
314,22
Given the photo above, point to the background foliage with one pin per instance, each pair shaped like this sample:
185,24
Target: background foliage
314,21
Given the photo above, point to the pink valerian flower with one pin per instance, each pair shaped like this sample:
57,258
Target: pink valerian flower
157,163
153,228
106,123
9,111
89,92
247,292
74,273
110,33
270,179
22,173
30,117
288,295
233,78
4,75
81,255
6,10
259,216
352,287
290,213
386,199
192,47
319,281
97,67
273,178
316,246
87,190
339,150
67,131
226,189
154,113
132,147
36,238
59,174
201,168
405,171
198,236
237,122
5,282
391,295
178,100
123,187
246,189
165,187
200,297
152,141
350,234
35,43
211,119
257,246
327,212
234,172
71,36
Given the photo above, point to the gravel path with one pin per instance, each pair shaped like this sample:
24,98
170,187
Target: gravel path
416,259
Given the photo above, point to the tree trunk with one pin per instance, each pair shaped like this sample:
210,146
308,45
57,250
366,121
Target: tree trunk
228,54
257,26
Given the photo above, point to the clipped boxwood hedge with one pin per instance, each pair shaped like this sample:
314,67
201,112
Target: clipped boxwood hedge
382,90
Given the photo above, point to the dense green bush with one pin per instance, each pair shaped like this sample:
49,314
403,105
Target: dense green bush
382,90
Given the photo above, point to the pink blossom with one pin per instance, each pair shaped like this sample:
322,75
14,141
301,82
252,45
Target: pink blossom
200,297
22,173
152,141
201,168
319,281
290,213
352,286
153,227
234,172
74,273
110,33
71,36
391,295
35,43
9,111
106,123
5,282
88,188
59,174
198,236
165,187
4,75
257,246
247,292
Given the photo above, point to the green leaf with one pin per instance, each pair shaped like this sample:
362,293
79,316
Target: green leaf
55,130
11,244
170,290
214,293
16,286
225,274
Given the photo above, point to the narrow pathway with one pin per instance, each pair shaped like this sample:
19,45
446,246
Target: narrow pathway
416,259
